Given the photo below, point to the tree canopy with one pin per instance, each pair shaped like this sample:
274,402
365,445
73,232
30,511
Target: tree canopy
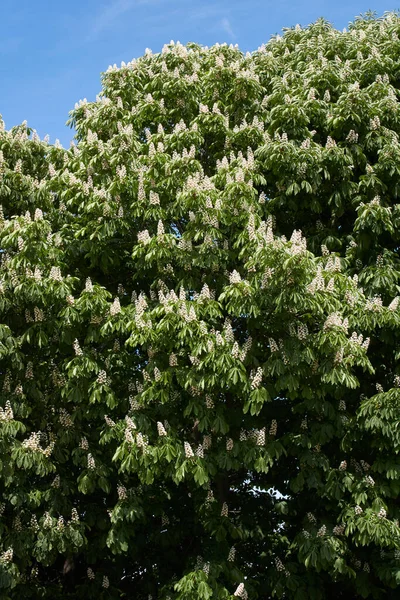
200,328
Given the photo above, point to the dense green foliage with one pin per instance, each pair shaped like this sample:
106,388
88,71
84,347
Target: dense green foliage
200,328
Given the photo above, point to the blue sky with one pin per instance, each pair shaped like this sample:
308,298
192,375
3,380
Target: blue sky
52,53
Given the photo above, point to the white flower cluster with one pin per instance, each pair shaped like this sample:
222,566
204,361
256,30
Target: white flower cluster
311,518
194,360
33,444
260,439
273,345
102,377
242,435
224,510
17,524
209,401
302,331
232,554
154,198
188,450
130,425
157,374
115,308
330,142
234,277
65,418
209,498
229,444
241,592
198,182
359,340
122,492
266,277
279,564
161,429
19,390
47,521
144,237
374,123
374,304
6,556
74,516
109,421
200,451
256,379
160,229
335,320
339,529
77,348
368,480
6,414
318,283
140,307
56,482
39,314
299,243
333,264
173,360
84,444
34,524
121,172
235,350
352,137
273,428
189,316
88,285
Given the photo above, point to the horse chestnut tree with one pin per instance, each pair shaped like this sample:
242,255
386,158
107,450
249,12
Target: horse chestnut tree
200,330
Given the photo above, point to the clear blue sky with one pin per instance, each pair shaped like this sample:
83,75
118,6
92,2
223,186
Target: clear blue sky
52,52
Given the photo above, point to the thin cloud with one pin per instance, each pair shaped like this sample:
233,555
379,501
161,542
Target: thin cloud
106,17
204,12
227,27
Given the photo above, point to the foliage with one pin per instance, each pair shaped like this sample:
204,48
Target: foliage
200,328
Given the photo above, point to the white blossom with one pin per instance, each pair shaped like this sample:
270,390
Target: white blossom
77,348
115,308
234,277
224,510
91,462
188,450
161,429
